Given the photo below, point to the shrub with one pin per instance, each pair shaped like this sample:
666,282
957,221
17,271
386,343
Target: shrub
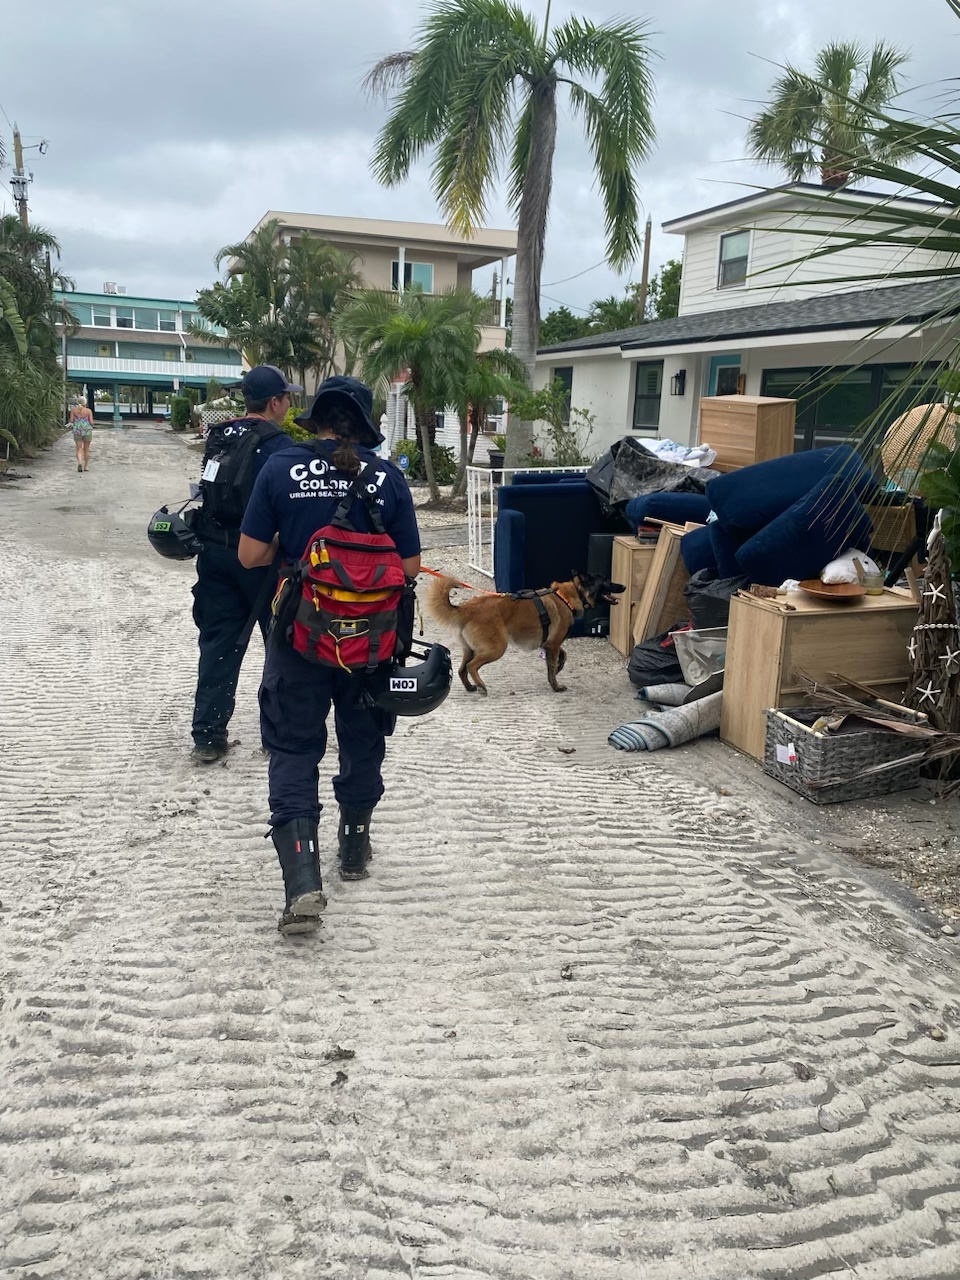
296,433
180,413
31,407
214,391
444,461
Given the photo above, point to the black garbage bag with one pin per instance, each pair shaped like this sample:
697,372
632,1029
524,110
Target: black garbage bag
655,661
708,598
628,470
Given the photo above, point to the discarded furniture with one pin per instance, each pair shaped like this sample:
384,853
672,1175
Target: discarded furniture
769,639
747,429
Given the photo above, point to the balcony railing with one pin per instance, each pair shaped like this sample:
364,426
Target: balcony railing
163,368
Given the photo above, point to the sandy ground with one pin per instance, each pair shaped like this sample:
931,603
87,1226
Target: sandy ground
594,1015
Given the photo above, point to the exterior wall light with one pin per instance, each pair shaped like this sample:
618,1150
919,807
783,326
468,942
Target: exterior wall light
678,383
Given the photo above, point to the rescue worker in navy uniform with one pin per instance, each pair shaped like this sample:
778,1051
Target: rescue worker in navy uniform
225,593
296,494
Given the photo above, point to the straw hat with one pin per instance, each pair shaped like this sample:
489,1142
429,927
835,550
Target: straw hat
908,438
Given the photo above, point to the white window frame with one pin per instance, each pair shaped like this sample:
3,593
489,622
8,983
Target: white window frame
408,266
726,235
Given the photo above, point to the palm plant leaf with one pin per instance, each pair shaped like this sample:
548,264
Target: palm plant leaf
11,316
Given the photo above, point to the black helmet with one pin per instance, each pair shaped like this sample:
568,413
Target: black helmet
412,688
172,534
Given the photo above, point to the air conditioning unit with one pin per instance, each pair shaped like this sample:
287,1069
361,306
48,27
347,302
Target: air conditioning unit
109,287
121,289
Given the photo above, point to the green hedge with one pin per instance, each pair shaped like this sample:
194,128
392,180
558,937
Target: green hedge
179,413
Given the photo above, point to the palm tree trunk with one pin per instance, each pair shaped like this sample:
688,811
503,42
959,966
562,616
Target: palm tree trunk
423,416
531,233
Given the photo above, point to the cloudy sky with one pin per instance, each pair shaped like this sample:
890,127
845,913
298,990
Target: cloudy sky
174,126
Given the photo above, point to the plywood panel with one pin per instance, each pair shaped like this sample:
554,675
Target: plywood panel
663,602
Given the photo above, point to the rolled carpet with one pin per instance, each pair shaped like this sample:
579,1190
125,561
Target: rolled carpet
669,728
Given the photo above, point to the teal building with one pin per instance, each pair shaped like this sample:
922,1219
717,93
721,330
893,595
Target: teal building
138,349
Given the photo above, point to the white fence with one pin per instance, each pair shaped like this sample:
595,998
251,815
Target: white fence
482,510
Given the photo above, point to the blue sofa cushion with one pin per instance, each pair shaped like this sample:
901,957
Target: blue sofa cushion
807,536
725,548
697,550
678,508
508,551
749,499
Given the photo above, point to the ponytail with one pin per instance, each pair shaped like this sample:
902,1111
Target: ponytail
342,425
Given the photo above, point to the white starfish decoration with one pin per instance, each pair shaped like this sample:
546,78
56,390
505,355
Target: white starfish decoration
951,658
912,648
936,592
929,692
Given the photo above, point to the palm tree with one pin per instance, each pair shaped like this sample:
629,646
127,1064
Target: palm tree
484,80
430,339
497,374
819,120
322,280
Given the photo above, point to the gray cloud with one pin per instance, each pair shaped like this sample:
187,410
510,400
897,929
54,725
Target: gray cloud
174,126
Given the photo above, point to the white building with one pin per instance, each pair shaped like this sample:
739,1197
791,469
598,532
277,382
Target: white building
757,319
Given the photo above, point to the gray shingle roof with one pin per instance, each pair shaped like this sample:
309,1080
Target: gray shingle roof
857,309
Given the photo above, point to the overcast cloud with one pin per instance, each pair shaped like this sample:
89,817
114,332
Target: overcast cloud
173,127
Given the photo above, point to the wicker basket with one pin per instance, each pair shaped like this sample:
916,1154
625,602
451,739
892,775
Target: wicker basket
830,767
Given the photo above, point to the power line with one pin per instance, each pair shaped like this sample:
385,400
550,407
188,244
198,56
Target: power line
568,305
5,116
551,283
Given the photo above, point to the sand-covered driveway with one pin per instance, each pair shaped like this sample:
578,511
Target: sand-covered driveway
588,1019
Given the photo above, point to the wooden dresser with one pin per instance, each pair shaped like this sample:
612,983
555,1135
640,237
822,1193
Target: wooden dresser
747,429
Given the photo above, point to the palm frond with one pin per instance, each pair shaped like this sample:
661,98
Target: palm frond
618,116
11,316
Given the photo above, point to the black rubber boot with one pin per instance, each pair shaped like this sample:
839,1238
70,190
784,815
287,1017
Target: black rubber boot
354,840
298,852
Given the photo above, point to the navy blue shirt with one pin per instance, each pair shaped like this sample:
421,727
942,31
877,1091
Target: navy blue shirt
299,489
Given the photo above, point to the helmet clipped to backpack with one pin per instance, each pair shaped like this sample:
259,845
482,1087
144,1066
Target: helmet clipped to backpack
412,688
172,535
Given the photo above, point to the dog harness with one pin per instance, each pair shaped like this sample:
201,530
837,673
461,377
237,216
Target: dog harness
537,598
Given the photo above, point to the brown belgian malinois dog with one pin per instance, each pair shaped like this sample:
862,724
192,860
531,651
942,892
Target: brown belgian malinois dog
530,619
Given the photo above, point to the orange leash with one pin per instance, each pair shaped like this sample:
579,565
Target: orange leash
435,573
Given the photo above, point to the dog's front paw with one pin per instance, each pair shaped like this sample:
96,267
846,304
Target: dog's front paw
559,688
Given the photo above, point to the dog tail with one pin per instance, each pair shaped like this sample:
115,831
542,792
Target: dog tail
438,602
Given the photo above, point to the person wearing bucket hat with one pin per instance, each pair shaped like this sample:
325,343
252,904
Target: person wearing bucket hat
298,492
352,396
229,600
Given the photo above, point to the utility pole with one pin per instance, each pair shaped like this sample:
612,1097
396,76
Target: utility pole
20,180
645,273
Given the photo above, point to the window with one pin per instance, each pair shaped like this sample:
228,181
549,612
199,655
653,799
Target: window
101,315
416,275
834,405
80,312
728,380
124,317
734,250
169,354
105,349
168,322
146,318
564,374
646,401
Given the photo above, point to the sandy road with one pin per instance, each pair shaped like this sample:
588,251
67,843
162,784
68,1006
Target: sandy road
586,1020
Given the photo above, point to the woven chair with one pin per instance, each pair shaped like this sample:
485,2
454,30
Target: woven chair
908,438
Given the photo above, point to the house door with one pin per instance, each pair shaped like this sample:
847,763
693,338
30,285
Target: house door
724,379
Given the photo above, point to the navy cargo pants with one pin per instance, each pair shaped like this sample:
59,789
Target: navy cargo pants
224,596
295,700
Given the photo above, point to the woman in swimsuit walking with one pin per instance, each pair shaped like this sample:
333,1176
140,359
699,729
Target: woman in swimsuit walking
81,419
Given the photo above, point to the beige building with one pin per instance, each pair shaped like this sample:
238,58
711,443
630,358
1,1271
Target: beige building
425,255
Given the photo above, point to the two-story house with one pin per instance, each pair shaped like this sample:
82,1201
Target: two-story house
759,316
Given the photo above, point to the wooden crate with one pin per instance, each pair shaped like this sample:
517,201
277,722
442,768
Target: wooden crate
747,429
663,602
767,642
630,565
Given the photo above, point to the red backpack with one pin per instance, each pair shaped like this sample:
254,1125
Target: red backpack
350,586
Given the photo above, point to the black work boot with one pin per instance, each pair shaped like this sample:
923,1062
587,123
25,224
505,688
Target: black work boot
354,840
298,852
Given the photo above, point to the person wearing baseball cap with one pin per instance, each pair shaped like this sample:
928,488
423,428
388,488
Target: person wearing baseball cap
297,493
230,600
